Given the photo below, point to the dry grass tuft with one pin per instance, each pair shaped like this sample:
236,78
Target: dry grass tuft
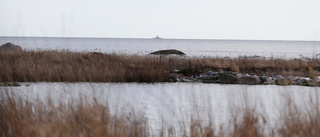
86,119
23,118
301,121
250,124
63,66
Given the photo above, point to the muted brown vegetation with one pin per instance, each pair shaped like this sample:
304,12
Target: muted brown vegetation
20,118
87,119
56,66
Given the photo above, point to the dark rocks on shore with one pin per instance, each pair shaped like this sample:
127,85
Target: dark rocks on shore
13,84
263,79
311,82
168,52
10,47
225,78
250,80
283,81
174,77
3,84
247,79
210,78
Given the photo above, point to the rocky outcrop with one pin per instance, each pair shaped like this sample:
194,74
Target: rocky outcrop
10,47
249,80
174,77
311,82
283,81
225,78
209,78
229,77
168,52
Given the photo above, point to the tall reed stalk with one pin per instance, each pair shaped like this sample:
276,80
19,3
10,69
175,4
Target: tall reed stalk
81,118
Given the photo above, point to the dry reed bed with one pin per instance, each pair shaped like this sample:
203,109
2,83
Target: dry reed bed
83,119
20,118
66,66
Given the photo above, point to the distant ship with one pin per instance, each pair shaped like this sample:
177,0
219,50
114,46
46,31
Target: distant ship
157,37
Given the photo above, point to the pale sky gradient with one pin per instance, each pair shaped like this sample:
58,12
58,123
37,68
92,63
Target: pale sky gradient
196,19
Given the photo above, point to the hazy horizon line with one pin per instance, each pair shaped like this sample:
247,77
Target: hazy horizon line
162,38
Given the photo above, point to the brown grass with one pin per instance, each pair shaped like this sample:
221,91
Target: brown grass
22,118
56,66
301,122
91,119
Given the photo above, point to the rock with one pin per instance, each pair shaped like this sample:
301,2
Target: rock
187,80
225,78
271,79
263,79
211,73
248,80
268,83
15,84
298,81
176,77
174,71
301,81
168,52
10,47
267,80
278,77
283,81
209,81
209,78
295,80
311,82
316,82
3,84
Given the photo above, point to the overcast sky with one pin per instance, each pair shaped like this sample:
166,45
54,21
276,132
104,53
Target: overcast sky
195,19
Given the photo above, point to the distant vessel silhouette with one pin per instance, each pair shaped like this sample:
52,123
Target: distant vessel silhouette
157,37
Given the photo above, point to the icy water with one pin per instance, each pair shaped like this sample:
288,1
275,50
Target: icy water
192,47
174,104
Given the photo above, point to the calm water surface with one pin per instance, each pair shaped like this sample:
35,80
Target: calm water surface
214,48
175,103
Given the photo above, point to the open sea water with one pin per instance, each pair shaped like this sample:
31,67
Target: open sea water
192,47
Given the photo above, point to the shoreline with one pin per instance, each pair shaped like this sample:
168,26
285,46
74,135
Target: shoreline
67,66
